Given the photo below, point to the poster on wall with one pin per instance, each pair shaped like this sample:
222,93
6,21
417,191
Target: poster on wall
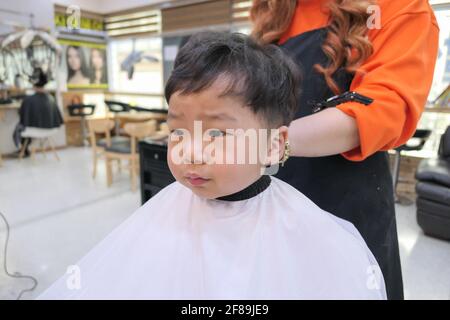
84,65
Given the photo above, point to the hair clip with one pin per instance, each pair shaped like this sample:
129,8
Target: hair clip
338,99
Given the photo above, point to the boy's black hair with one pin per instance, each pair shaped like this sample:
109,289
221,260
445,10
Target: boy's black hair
263,76
39,79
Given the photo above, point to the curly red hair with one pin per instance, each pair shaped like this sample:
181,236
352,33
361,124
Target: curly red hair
346,44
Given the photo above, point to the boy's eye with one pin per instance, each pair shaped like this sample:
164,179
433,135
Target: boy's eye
177,132
216,133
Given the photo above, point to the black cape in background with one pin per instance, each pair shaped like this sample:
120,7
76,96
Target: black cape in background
360,192
40,111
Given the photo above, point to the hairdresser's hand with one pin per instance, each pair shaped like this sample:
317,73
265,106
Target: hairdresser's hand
325,133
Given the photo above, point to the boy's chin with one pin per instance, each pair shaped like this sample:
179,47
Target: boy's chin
205,192
201,191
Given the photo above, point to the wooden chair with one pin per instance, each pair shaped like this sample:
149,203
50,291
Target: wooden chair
104,127
129,150
162,133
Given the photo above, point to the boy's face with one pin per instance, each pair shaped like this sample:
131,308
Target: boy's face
207,162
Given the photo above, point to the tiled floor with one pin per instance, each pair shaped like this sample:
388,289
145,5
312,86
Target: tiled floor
425,260
57,212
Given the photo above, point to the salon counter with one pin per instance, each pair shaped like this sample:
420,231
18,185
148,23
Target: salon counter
9,117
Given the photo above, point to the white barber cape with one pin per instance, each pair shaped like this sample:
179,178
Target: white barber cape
275,245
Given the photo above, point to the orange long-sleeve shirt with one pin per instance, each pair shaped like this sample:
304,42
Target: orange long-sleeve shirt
398,74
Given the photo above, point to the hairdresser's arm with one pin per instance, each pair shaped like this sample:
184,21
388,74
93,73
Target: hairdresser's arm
325,133
397,76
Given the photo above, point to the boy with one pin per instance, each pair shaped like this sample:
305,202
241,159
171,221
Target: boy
224,230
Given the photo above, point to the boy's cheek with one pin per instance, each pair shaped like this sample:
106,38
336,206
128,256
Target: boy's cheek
174,169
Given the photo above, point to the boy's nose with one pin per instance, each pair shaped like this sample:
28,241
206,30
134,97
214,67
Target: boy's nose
193,152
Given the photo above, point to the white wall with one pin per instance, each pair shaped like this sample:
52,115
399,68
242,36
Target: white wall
107,6
43,9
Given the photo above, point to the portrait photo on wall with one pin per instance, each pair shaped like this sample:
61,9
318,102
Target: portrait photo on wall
84,65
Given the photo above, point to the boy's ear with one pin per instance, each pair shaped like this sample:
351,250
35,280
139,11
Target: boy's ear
276,145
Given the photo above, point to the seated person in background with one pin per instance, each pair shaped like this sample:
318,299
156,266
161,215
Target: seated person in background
38,110
225,229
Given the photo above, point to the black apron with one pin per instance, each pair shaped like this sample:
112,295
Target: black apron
360,192
40,111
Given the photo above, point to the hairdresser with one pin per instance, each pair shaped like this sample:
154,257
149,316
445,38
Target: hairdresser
384,51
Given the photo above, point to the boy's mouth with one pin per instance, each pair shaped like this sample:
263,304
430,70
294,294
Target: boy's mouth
196,180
